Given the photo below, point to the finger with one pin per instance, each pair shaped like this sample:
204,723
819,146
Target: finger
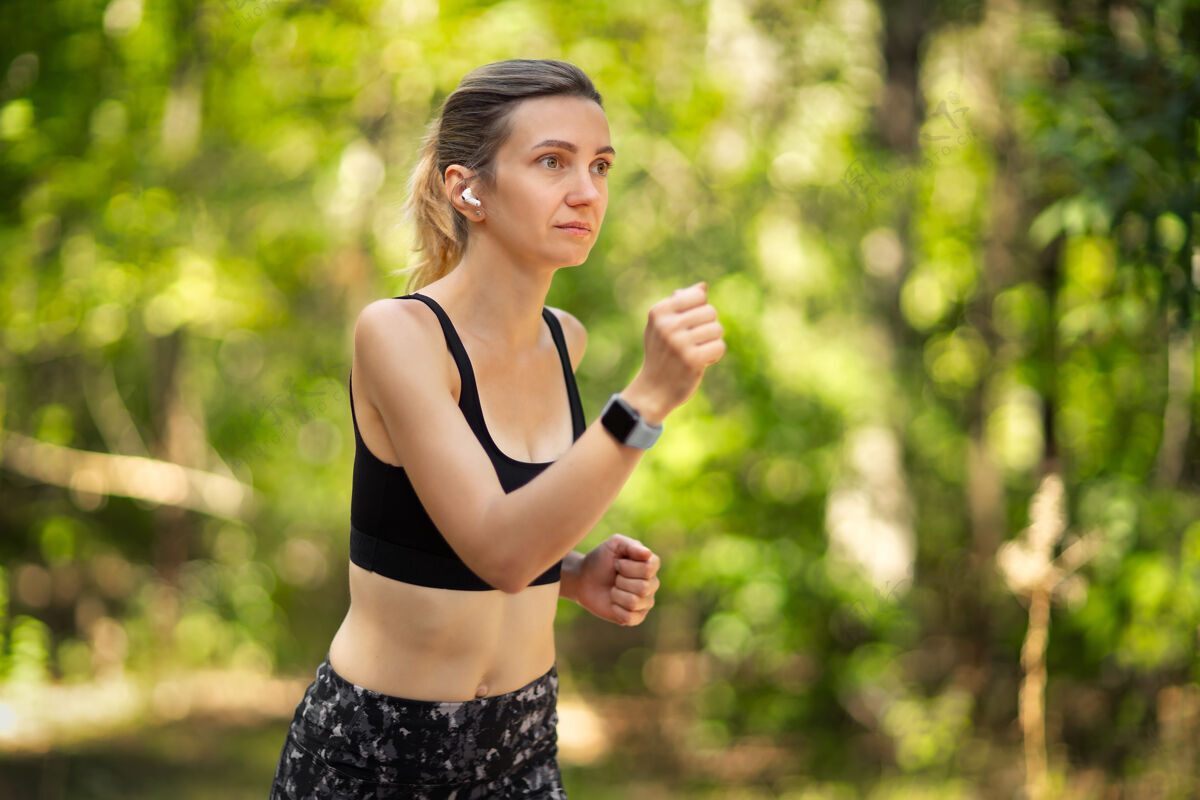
638,586
622,615
709,331
710,352
642,587
634,570
696,316
638,569
633,618
683,299
625,547
629,601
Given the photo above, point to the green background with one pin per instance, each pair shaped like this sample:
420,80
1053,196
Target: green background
954,247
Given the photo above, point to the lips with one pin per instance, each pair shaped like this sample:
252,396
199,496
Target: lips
576,226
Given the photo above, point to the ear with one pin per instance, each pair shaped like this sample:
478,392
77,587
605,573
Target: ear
457,179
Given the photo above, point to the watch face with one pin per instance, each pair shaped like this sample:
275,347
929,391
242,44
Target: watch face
619,421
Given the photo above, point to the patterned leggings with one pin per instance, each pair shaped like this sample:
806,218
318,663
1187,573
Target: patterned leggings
349,742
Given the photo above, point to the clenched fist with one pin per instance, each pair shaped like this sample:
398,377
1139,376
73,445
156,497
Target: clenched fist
616,581
683,338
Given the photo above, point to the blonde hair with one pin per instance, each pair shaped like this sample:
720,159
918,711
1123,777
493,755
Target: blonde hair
473,123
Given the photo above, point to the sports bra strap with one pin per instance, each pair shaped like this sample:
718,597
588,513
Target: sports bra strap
556,332
468,397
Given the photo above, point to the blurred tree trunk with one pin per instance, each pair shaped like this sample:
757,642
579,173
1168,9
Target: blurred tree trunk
171,524
906,24
1000,269
179,134
1048,276
897,124
985,478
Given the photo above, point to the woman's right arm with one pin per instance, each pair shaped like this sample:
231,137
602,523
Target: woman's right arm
508,539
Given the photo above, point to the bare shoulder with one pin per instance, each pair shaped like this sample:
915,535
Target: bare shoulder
574,332
397,315
397,332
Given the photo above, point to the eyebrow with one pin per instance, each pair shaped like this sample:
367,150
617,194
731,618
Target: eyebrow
568,146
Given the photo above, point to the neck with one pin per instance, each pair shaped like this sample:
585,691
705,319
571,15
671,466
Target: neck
496,300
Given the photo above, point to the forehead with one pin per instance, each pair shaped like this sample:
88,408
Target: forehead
570,119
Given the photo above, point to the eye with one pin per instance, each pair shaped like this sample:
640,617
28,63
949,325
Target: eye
603,167
544,159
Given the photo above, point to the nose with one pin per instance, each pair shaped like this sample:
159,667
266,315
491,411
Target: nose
584,188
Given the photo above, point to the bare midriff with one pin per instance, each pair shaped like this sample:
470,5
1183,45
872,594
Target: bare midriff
443,645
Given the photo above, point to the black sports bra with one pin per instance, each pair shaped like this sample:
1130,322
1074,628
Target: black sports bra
390,531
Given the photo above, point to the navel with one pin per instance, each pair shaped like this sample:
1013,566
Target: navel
481,691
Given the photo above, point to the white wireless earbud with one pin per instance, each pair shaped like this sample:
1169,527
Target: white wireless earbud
470,197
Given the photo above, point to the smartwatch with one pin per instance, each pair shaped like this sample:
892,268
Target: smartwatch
626,425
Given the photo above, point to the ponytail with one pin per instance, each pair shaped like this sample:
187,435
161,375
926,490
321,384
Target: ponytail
436,239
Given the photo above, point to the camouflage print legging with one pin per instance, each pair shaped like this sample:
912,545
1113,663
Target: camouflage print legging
349,742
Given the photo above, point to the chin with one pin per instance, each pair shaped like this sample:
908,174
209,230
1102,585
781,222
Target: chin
572,260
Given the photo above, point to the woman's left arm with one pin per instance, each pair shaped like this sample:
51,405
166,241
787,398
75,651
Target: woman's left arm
616,581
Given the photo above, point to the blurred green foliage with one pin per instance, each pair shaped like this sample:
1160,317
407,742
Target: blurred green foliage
196,199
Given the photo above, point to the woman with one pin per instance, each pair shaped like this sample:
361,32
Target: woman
440,681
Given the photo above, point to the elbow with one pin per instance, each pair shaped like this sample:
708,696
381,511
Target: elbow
511,587
500,563
508,575
508,578
504,581
505,569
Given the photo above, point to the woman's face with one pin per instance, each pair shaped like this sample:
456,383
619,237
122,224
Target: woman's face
551,181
